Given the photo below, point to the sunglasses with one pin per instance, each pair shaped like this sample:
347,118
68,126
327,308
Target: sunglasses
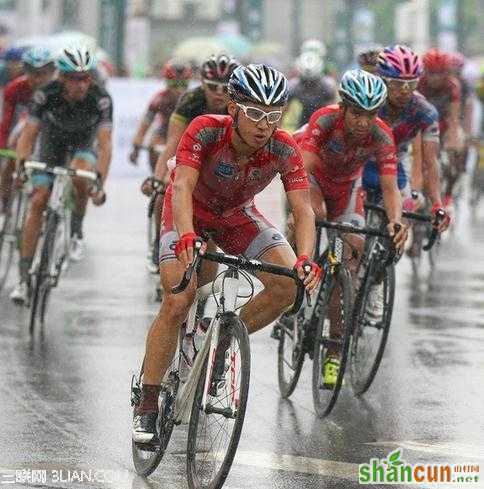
216,87
256,115
402,84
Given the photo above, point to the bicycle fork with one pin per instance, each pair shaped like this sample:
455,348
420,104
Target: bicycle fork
228,304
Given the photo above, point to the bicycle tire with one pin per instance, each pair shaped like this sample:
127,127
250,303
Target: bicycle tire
231,324
39,286
9,228
361,383
298,355
324,406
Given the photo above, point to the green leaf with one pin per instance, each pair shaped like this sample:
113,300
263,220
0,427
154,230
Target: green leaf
394,457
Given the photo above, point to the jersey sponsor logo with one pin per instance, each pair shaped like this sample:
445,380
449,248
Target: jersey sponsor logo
197,147
104,103
277,237
39,97
225,170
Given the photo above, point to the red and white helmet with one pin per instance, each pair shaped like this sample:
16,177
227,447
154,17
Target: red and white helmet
436,61
399,62
176,70
218,68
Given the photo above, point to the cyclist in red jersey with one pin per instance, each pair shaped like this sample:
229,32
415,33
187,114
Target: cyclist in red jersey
39,69
443,91
222,162
337,143
177,76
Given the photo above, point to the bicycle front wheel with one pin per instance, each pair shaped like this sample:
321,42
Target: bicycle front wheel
290,352
40,281
370,334
338,292
214,430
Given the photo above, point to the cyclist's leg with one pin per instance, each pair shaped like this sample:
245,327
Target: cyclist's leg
82,159
249,233
6,182
33,223
347,208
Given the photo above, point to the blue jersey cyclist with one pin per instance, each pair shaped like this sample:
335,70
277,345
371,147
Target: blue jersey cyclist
410,115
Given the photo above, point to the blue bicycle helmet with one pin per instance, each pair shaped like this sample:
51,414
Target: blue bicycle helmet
363,90
37,57
13,53
259,84
76,60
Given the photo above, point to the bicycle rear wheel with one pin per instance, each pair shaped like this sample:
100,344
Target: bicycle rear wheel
290,352
40,280
325,398
214,431
370,336
146,458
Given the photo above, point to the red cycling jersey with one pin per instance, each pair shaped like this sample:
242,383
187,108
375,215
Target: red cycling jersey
16,96
342,162
223,186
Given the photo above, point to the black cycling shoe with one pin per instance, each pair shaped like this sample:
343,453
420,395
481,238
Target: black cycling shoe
144,429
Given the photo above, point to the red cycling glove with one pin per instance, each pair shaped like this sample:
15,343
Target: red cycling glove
186,241
304,260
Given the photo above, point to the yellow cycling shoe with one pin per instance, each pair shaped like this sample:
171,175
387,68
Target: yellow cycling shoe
330,372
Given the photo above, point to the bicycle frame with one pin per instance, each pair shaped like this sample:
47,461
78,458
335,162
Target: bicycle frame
227,304
58,203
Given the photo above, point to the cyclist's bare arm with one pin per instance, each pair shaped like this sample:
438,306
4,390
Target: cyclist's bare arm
416,177
453,137
176,129
391,197
141,132
303,215
468,116
27,139
430,170
104,151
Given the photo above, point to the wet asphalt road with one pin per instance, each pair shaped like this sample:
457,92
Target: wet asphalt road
64,397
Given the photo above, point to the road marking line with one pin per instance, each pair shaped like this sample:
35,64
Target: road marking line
461,450
290,463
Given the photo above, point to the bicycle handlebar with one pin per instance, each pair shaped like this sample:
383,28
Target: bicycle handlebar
242,263
351,228
440,215
60,170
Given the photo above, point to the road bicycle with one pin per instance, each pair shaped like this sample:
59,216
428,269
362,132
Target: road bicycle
52,249
370,326
212,397
309,332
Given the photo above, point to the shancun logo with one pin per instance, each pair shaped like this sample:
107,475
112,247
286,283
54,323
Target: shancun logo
393,470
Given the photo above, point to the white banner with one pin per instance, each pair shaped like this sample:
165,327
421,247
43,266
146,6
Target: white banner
130,101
